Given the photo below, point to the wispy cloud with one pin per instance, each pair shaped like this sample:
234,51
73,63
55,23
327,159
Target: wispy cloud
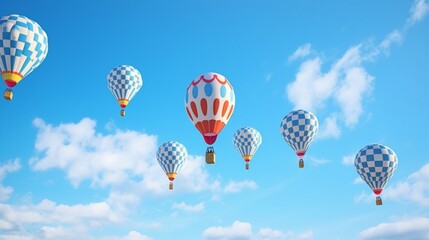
189,208
243,230
349,159
8,167
234,187
346,84
329,128
300,52
418,11
414,228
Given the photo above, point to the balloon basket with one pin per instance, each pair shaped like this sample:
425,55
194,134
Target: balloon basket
378,201
122,112
301,163
170,186
8,94
210,156
247,166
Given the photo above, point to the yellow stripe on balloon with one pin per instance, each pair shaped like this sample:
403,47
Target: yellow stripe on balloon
11,76
123,102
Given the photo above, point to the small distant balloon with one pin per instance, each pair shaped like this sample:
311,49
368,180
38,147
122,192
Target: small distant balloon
23,47
299,128
171,157
247,140
376,164
209,102
124,82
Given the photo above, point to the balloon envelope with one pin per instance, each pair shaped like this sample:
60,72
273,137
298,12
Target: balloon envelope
23,47
247,140
299,128
124,82
209,102
375,164
171,157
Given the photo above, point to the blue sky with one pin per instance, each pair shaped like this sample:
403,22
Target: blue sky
72,168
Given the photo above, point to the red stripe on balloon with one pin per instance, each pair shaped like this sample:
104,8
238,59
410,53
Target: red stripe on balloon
203,104
216,104
194,109
225,107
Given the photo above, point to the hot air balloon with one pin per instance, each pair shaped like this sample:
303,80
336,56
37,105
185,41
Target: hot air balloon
247,140
375,164
124,82
209,102
171,156
298,129
23,47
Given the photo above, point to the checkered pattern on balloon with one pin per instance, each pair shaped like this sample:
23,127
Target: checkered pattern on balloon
23,47
299,128
124,82
247,140
209,103
376,164
171,157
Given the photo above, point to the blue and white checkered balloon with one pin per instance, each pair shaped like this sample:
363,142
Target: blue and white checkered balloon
375,164
247,140
171,156
23,47
299,128
124,82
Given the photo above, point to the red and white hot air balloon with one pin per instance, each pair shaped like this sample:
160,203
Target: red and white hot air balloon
210,102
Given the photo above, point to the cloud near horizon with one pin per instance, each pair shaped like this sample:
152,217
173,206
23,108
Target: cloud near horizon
406,229
243,231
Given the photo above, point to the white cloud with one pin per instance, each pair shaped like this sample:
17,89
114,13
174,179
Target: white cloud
134,235
8,167
344,86
123,160
393,37
318,161
48,232
414,189
49,220
238,230
271,234
358,180
418,11
300,52
189,208
355,85
243,231
50,212
349,159
234,187
311,87
85,154
408,229
329,128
